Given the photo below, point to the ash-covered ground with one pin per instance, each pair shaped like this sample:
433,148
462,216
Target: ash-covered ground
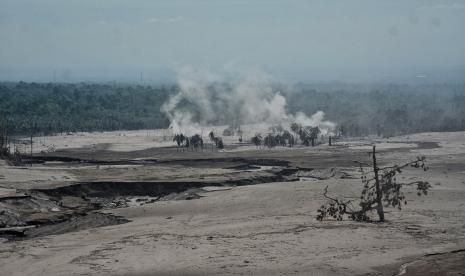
132,203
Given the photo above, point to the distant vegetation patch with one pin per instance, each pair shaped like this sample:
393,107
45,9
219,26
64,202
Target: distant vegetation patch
385,110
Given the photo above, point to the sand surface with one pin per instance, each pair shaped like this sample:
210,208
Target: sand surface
266,229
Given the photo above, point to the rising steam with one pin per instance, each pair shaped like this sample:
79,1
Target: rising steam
206,98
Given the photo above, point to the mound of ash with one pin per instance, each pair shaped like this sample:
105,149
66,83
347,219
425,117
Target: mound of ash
35,214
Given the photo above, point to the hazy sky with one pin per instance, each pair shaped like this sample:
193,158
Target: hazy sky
293,40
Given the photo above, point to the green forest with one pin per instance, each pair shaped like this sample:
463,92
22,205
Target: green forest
56,108
385,110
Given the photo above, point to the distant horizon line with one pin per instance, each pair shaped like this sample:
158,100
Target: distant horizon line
301,83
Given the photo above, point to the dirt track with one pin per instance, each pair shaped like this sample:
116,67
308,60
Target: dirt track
267,229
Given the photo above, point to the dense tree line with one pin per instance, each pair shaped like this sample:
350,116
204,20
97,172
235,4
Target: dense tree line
51,108
283,138
357,109
385,110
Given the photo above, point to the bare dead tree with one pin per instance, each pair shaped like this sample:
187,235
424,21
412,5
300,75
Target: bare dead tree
180,139
196,142
218,142
212,137
379,186
9,149
240,133
4,141
289,139
313,133
257,140
307,135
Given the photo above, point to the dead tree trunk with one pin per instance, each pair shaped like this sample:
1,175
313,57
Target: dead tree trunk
31,148
379,193
378,185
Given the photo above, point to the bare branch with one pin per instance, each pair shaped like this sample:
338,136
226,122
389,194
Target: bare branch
363,163
380,189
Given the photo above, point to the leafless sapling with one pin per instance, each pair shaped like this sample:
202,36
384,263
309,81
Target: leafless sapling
380,189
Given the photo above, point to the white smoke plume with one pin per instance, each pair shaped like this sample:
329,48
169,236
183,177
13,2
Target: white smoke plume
240,98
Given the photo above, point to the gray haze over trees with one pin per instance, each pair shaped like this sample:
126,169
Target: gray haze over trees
357,110
365,67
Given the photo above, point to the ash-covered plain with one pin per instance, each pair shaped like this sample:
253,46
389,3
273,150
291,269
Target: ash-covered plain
135,203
